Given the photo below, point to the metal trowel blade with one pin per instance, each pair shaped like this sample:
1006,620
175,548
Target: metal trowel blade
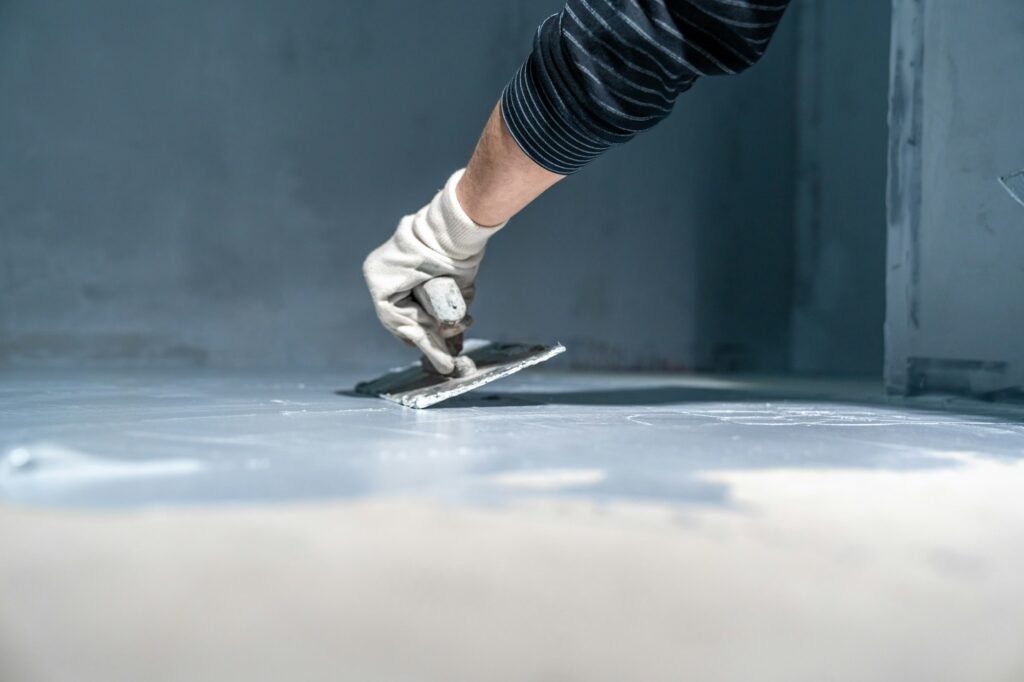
414,386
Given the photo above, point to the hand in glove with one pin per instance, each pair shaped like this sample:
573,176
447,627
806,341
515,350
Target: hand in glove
439,240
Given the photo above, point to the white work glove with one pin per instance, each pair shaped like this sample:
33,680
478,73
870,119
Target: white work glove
439,240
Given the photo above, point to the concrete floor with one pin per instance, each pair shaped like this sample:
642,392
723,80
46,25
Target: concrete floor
556,527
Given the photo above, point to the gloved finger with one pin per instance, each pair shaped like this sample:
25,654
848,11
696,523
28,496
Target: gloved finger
435,350
403,317
408,322
392,319
422,331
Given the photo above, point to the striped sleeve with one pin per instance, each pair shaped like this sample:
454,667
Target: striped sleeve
602,71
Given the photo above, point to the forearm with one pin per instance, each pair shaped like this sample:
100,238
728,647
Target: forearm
602,71
500,180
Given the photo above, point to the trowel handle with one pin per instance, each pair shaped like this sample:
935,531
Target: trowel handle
442,300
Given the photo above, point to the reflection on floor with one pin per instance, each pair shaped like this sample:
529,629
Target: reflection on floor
556,526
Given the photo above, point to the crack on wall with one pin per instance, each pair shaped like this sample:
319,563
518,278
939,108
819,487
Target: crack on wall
1014,184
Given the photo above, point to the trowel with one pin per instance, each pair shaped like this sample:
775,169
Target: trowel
477,362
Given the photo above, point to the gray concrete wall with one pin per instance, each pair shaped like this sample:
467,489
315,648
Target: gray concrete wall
842,137
956,238
196,183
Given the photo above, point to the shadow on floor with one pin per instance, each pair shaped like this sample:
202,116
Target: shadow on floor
663,395
612,397
640,396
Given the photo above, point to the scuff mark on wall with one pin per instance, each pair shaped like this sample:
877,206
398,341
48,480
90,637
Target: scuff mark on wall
905,193
955,317
949,375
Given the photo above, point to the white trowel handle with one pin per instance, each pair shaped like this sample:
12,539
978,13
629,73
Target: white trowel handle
442,300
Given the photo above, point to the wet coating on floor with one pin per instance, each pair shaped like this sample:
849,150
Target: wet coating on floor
557,526
144,439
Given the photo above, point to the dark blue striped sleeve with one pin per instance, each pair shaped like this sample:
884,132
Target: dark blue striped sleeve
602,71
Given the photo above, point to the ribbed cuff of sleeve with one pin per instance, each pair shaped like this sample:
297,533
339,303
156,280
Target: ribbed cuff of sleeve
546,112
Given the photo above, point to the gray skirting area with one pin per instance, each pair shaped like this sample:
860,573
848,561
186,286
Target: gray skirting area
560,526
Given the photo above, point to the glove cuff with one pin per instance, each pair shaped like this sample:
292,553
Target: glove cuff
457,234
